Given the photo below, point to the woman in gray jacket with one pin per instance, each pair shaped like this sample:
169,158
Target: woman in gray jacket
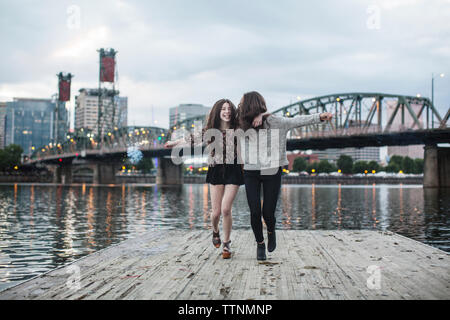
263,151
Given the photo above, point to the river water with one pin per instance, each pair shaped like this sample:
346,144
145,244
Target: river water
43,226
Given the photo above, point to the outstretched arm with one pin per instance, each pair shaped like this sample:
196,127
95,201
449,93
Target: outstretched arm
172,143
304,120
190,139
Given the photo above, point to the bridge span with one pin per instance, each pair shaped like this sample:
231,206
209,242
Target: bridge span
360,120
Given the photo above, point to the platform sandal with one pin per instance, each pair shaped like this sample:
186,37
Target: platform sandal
226,253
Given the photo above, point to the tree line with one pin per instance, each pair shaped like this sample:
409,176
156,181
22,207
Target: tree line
348,166
10,157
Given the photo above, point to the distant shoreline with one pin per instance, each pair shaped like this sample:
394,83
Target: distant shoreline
200,179
334,180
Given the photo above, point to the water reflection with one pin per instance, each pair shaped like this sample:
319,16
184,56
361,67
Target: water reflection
206,212
191,208
44,226
90,233
313,206
339,207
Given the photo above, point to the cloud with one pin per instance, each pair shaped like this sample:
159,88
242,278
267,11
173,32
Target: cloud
172,52
83,45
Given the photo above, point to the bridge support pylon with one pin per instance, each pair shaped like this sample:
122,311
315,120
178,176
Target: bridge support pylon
436,167
61,173
105,173
169,173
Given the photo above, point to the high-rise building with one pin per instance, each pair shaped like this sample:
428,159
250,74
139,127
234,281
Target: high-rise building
2,124
186,111
30,123
114,114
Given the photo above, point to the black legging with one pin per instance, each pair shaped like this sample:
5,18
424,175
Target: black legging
271,188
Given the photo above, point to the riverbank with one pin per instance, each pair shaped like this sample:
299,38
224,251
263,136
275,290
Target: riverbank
200,179
336,265
16,177
290,179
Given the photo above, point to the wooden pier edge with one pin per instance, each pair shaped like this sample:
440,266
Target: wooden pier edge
66,265
307,264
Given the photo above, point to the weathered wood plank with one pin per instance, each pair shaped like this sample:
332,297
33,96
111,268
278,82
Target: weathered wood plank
405,263
307,264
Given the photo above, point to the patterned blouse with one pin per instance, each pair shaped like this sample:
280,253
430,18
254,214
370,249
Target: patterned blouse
229,142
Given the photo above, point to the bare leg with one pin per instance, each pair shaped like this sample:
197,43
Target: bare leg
227,202
216,204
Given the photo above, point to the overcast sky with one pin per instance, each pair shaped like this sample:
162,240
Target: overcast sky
199,51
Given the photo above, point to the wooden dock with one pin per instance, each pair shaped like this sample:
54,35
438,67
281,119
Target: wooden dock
306,265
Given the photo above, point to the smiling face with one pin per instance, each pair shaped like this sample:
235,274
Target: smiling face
222,114
225,112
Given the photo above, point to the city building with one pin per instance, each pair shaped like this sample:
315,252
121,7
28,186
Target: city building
412,151
357,154
2,124
114,109
31,123
186,111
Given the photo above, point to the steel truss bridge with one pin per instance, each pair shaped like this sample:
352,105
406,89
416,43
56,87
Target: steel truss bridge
360,120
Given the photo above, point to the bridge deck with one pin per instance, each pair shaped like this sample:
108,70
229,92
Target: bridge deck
306,265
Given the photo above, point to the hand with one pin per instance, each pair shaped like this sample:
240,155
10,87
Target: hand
326,116
257,121
170,144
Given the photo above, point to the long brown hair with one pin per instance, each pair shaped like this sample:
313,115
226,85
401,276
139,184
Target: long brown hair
252,105
214,115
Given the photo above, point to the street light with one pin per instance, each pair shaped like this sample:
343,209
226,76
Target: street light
432,98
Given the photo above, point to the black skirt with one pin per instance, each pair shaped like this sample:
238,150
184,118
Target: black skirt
225,174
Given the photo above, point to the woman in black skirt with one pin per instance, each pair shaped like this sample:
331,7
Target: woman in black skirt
224,171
